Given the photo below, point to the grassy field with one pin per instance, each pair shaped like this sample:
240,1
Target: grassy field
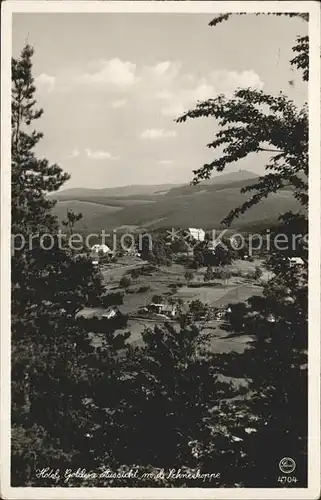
89,210
236,289
204,205
221,295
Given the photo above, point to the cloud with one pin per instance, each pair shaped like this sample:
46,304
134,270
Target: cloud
188,90
74,153
164,86
165,162
174,109
229,80
119,104
162,67
154,133
165,95
188,97
100,155
45,82
161,72
203,91
113,72
94,155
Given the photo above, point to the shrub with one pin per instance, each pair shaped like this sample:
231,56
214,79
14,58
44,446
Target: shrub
148,269
157,299
135,273
258,272
112,299
209,274
198,309
125,282
189,275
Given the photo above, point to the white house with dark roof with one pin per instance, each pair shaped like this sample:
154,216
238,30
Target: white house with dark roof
295,261
101,249
196,233
111,312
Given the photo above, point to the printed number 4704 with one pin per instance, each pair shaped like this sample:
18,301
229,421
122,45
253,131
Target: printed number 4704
287,479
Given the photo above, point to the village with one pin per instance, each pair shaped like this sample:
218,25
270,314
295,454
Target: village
178,292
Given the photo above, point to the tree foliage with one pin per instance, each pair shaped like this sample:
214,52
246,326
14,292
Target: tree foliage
275,366
209,274
158,253
125,282
252,122
31,178
189,275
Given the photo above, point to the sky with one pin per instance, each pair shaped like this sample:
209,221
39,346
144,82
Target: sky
111,86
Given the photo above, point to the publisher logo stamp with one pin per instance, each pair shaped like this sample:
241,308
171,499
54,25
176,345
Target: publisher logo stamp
287,465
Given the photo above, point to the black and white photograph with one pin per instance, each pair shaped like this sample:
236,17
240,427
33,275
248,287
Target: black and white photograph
160,249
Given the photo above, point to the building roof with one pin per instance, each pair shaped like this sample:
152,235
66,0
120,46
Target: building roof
111,308
197,233
169,307
101,248
296,260
165,307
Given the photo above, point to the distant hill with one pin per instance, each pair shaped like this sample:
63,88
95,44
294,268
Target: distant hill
134,190
203,205
146,189
226,178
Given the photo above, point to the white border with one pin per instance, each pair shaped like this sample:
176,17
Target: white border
313,490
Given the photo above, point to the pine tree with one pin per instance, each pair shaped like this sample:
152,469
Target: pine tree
209,274
32,178
168,389
53,362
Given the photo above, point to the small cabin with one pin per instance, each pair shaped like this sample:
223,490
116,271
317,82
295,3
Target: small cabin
295,261
196,233
167,309
110,313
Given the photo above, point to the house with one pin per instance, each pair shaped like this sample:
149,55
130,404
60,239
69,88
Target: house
155,308
295,261
219,313
166,309
169,309
271,318
196,234
98,249
111,312
130,250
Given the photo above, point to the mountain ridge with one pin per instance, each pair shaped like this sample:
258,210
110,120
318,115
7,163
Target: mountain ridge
138,189
203,205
